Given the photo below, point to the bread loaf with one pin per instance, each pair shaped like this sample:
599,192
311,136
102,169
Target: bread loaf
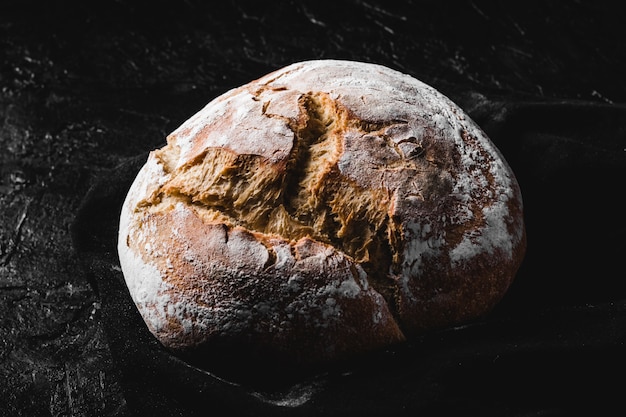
326,209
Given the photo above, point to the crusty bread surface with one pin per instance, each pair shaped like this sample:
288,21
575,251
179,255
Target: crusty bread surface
326,209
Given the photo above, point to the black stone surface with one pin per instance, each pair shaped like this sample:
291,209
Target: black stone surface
88,88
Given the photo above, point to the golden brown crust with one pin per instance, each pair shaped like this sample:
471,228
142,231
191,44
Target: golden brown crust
330,198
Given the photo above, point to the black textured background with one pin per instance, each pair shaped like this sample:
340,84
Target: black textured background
87,88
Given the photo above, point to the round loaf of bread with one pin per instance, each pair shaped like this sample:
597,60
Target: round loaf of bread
326,209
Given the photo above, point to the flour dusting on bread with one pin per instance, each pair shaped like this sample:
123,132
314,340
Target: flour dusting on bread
326,209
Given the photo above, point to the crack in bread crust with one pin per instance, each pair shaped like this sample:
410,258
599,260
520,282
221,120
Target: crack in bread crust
304,196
